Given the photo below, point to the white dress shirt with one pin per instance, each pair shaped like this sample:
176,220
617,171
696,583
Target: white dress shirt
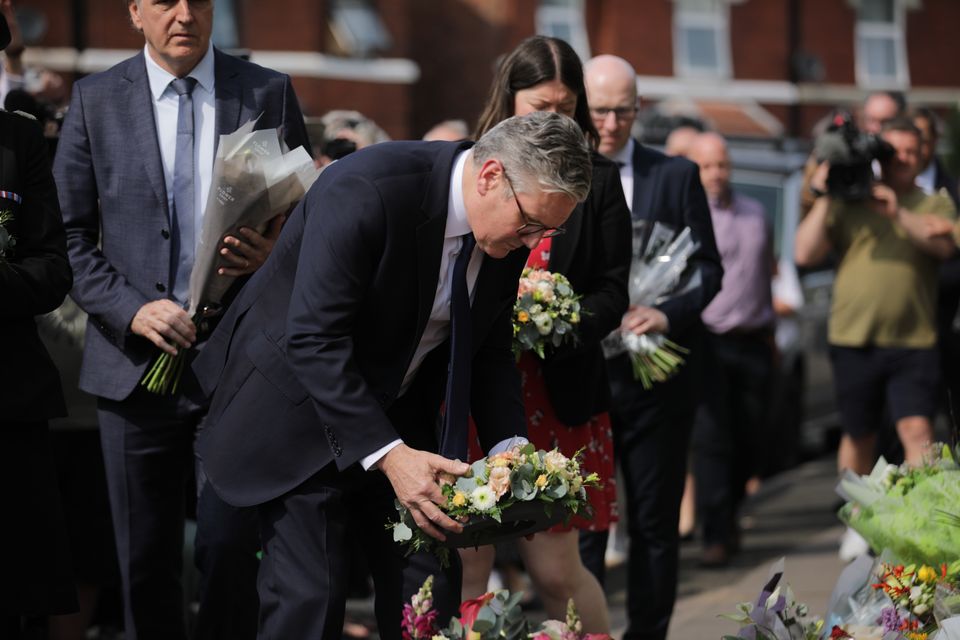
625,159
166,105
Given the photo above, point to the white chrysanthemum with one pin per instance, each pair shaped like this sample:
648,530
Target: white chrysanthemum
483,499
544,323
554,461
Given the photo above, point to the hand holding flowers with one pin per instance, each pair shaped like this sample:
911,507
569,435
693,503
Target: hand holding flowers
545,485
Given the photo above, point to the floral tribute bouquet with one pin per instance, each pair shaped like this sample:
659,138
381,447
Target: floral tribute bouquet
654,276
913,593
776,615
255,179
510,494
546,312
908,511
492,616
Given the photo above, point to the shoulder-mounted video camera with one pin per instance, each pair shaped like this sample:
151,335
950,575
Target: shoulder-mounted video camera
850,153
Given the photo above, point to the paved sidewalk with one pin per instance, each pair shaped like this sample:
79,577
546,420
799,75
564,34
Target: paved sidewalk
792,516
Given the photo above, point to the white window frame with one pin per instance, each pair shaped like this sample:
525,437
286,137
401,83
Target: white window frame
571,15
896,32
719,22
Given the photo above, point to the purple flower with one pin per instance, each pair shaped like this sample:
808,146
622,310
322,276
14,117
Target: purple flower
890,619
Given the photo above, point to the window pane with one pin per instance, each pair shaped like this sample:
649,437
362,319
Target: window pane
225,25
700,6
877,11
701,47
358,28
559,30
880,57
559,3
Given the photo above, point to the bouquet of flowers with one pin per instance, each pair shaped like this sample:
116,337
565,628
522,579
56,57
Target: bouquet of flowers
546,312
654,276
912,592
492,616
903,509
254,180
776,615
506,495
7,241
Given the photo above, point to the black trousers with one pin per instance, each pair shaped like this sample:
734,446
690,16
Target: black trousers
651,434
304,574
147,443
729,428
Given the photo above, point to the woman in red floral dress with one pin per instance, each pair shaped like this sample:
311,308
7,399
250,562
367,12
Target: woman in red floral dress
566,394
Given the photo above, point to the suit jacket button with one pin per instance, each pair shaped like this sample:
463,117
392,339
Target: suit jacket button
165,233
161,287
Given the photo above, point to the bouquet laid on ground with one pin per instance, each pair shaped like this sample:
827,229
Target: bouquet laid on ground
254,180
546,313
654,277
776,615
911,512
7,241
880,598
507,495
492,616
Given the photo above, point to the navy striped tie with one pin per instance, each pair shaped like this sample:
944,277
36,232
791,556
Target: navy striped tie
453,443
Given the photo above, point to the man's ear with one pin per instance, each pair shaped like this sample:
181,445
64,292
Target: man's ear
133,6
489,176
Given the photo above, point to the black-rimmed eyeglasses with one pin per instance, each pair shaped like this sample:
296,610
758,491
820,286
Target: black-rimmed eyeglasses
531,227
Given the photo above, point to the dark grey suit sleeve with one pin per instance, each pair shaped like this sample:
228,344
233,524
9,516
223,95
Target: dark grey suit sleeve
98,288
704,269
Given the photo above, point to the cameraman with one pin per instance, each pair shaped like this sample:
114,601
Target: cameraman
882,329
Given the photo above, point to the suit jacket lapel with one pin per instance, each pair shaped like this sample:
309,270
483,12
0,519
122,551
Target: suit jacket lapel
137,101
229,95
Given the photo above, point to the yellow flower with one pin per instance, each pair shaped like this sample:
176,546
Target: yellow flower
459,499
927,574
541,481
523,316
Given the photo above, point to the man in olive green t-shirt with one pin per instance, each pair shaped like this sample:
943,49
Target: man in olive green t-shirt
882,329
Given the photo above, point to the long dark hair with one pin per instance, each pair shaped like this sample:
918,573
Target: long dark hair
537,59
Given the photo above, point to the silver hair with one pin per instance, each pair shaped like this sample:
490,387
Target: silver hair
545,148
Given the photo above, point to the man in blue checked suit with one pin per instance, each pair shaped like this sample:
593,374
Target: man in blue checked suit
133,171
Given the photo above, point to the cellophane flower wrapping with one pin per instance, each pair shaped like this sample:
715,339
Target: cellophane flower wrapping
655,275
910,512
255,178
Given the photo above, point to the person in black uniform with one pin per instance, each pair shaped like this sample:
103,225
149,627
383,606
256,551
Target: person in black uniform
35,277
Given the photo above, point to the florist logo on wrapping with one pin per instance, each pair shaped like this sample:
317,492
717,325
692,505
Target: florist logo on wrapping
225,194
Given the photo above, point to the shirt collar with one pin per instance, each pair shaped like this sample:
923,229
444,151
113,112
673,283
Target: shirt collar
160,78
624,157
457,224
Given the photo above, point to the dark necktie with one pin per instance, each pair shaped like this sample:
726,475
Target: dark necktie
453,443
183,191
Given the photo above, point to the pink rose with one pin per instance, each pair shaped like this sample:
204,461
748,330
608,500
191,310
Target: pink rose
499,481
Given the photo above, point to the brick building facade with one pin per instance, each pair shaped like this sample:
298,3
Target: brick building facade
752,67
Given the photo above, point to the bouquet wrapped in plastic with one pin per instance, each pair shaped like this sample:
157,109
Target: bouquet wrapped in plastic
654,276
507,495
546,313
911,512
254,180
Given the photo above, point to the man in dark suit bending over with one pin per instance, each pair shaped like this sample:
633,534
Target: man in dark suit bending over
329,367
